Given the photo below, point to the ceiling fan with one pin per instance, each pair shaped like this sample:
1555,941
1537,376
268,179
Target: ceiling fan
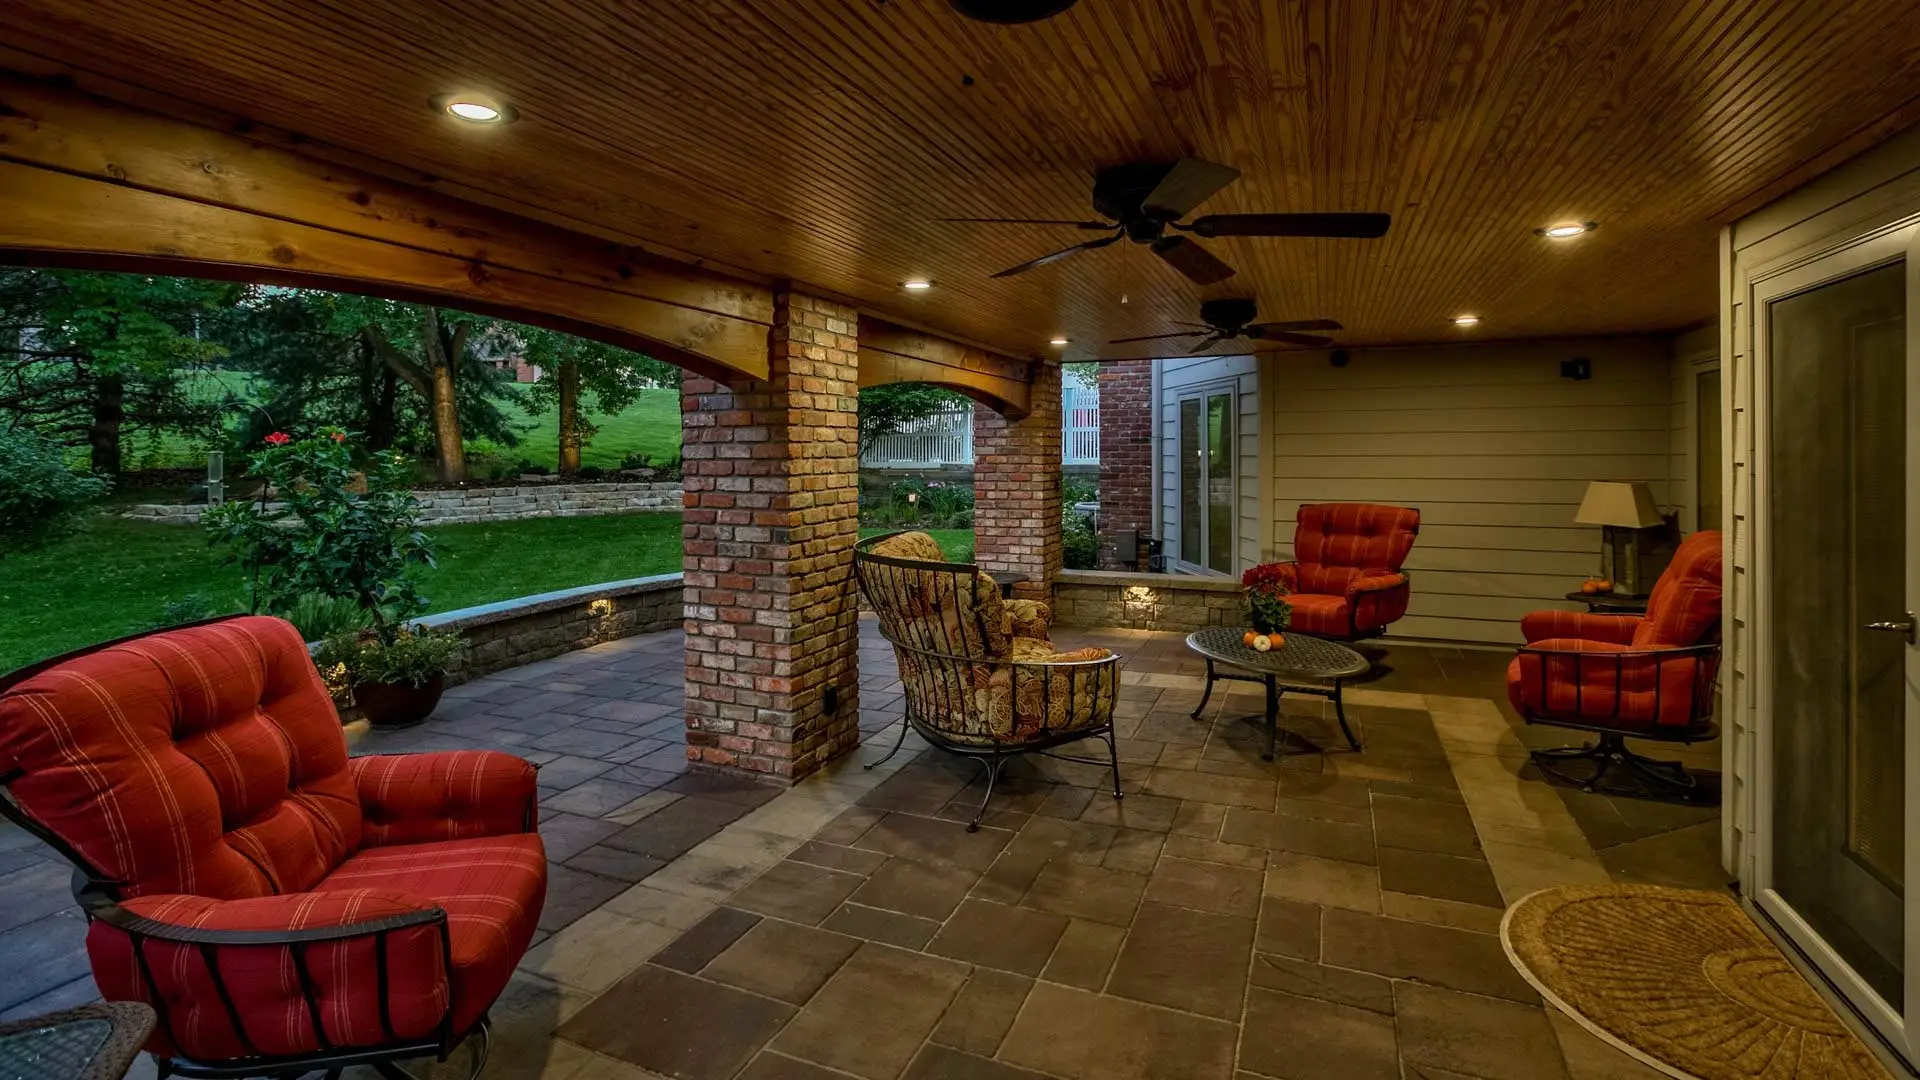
1146,200
1232,319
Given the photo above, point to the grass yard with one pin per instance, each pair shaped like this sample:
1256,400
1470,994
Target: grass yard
117,576
955,544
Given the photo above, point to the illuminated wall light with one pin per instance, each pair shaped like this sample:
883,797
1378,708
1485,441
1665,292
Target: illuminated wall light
1567,230
600,608
916,284
1466,320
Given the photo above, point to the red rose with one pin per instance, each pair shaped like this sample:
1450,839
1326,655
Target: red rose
339,436
279,438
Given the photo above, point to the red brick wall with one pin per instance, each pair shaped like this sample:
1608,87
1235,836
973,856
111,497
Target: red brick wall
1016,488
770,478
1126,452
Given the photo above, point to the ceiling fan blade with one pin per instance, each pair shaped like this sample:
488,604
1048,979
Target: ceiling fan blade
1349,226
1269,328
1192,260
1057,256
1310,341
1151,337
1189,183
1028,221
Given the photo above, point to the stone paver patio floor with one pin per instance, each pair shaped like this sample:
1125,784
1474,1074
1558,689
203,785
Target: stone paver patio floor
1324,915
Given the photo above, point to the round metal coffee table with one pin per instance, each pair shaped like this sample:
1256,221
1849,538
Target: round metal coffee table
1300,658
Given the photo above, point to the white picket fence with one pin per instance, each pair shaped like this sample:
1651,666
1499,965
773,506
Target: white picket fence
946,437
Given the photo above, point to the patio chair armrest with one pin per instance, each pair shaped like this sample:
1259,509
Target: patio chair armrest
1028,618
1064,692
456,794
1375,599
275,975
1562,625
1594,682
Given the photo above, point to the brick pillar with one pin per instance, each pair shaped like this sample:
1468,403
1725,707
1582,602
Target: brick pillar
1126,453
770,477
1016,488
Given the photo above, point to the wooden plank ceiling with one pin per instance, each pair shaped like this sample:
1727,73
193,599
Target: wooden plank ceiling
819,140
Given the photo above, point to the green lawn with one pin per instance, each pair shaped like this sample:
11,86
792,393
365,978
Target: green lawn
955,544
116,576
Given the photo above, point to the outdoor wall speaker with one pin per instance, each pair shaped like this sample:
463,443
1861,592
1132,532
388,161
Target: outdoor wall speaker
1579,369
1338,358
1007,12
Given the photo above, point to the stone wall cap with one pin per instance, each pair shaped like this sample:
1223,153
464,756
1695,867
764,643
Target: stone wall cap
1123,578
482,614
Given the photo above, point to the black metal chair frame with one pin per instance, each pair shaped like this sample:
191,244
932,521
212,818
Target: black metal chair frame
1277,687
98,897
1648,776
952,581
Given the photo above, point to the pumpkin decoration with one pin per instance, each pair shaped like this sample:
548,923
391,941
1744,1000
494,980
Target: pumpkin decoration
1262,643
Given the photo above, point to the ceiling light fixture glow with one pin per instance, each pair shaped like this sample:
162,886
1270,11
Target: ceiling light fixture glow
916,284
1466,320
474,108
1567,230
1058,341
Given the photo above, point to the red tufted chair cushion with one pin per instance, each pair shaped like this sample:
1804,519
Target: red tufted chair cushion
1334,543
1685,604
206,761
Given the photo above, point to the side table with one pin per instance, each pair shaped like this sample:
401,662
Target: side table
1610,603
93,1042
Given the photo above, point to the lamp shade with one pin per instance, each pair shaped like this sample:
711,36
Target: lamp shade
1620,503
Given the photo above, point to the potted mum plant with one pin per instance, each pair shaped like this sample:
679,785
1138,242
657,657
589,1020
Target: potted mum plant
1265,589
343,531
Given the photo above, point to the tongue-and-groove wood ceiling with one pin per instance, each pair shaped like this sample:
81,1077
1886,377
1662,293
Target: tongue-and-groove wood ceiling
819,139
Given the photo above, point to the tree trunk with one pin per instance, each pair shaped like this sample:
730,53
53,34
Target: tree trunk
452,449
103,428
569,379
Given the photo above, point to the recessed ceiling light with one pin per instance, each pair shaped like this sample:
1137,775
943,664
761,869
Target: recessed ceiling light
1466,320
474,108
1058,341
1567,230
917,284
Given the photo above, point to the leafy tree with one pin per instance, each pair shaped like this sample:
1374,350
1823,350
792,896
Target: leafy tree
85,355
886,409
40,498
571,365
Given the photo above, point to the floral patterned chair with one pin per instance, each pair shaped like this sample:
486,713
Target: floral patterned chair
980,676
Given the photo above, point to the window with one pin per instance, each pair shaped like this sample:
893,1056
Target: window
1207,482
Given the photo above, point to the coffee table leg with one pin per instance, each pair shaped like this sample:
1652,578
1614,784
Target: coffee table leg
1273,718
1205,694
1340,710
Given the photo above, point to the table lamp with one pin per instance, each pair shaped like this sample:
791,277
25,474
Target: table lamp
1621,509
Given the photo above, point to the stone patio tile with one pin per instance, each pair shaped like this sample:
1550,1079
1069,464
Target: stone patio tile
597,950
1081,841
1154,813
768,1065
941,1063
1447,877
670,831
835,857
1298,1038
1438,955
1199,819
1304,978
928,890
1134,850
1185,959
728,789
1226,890
1289,928
572,893
1323,787
650,904
1589,1057
1010,876
611,862
782,960
644,806
993,935
1427,909
34,892
886,927
1293,876
1423,792
798,892
1085,954
706,939
1068,802
563,835
1423,825
43,956
1475,1036
563,771
1084,1036
677,1025
1225,790
934,840
1306,835
1343,812
593,798
1213,851
1088,892
875,1012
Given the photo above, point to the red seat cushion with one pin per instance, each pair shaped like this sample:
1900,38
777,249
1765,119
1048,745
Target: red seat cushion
1685,604
1600,686
1319,614
491,888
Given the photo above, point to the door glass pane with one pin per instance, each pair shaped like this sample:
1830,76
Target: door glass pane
1192,465
1220,501
1838,525
1706,452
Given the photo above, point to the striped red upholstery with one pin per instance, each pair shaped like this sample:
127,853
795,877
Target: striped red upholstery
1346,570
202,775
1685,603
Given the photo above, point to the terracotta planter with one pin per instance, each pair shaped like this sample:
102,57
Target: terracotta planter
398,704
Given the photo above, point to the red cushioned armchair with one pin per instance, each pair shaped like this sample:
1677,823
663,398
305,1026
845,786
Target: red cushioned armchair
1345,576
282,907
1628,676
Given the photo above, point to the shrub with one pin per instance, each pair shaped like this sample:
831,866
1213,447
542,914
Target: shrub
413,655
190,608
591,472
1080,548
319,617
40,498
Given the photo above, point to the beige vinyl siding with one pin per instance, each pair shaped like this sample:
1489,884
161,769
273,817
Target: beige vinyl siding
1493,447
1239,374
1872,192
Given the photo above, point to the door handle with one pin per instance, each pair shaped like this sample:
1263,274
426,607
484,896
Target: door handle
1903,627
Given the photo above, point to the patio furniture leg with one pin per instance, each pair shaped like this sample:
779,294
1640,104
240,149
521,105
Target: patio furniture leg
1273,718
1113,753
1649,776
1340,710
994,764
1206,693
897,744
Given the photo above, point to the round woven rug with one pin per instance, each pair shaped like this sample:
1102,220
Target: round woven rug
1682,980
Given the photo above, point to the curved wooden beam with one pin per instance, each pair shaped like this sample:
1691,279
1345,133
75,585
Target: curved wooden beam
890,353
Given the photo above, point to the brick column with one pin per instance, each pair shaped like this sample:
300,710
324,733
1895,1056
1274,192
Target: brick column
1126,453
1016,488
770,475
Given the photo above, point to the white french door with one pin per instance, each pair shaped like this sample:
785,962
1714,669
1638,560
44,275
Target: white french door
1208,510
1837,558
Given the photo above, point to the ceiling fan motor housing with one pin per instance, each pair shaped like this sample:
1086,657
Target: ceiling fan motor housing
1119,191
1009,12
1231,313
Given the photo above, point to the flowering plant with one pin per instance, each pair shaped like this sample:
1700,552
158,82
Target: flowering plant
1265,589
